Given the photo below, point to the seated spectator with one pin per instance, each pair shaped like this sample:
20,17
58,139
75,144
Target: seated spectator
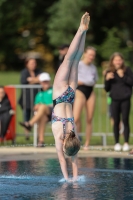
6,112
43,108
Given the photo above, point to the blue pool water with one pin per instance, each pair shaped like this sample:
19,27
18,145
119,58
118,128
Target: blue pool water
100,179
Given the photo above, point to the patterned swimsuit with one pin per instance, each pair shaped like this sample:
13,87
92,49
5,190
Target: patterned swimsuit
66,97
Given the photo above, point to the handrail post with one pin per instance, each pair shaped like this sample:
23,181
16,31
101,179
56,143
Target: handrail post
35,135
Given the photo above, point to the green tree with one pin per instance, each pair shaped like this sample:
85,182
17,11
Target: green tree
22,28
64,20
112,42
109,15
14,19
39,25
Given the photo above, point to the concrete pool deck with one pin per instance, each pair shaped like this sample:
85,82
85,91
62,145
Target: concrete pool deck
33,153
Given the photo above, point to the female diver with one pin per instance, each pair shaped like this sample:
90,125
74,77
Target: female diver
65,83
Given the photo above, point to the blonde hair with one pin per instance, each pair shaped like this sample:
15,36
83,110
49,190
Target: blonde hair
72,144
90,48
111,66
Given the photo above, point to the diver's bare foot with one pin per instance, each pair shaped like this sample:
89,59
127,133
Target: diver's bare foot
85,20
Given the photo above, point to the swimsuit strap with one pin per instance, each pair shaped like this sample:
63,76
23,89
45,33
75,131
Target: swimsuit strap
64,124
63,120
72,122
64,127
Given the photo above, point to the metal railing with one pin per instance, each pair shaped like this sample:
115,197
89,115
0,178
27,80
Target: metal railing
101,121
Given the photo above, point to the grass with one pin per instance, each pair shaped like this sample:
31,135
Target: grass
101,122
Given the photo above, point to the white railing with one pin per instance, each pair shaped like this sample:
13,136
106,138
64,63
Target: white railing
101,121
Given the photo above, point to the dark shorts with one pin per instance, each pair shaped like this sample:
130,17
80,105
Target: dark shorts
50,114
86,90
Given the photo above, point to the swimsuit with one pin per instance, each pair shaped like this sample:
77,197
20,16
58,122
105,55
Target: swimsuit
66,97
86,90
63,120
50,113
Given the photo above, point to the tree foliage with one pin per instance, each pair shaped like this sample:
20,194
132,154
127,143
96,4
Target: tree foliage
38,25
110,27
112,42
64,20
23,28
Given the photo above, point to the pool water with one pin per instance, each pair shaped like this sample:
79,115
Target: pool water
100,179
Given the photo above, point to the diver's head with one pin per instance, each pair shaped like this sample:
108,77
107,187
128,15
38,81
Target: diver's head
71,144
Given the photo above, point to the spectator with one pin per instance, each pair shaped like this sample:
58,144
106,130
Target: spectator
109,103
6,112
62,52
119,82
29,75
85,96
43,108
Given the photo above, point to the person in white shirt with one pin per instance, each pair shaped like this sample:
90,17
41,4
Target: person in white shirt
85,96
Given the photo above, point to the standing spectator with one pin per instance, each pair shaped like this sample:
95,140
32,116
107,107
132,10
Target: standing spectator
85,96
5,112
29,75
109,103
62,52
43,108
119,82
